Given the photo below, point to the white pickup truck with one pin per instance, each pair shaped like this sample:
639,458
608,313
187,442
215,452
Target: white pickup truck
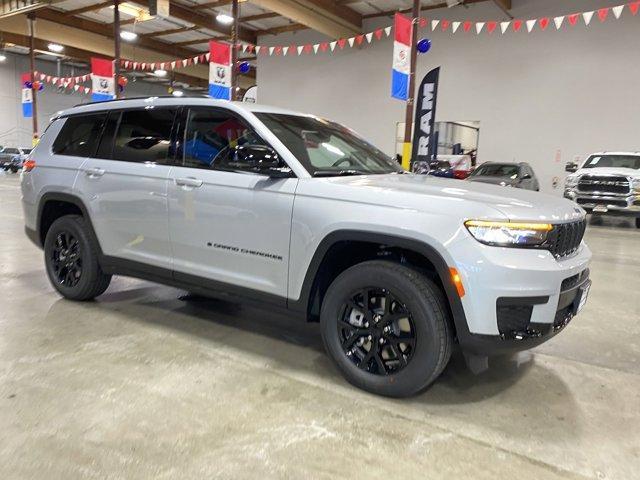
607,183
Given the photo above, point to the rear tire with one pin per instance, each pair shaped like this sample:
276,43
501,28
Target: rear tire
71,259
398,345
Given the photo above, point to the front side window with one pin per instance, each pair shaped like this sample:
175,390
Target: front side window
79,135
510,171
144,136
209,137
326,148
613,161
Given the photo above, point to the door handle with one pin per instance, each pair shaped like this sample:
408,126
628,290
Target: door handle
188,182
94,172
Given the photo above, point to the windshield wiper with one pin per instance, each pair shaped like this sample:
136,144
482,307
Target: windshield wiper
338,173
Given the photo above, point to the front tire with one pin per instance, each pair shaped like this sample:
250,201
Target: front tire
386,327
71,259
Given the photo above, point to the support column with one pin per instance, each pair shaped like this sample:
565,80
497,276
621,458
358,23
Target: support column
32,62
116,46
408,122
234,50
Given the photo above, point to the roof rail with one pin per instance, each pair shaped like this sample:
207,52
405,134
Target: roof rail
142,98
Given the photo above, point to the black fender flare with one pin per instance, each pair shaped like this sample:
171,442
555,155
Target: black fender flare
430,253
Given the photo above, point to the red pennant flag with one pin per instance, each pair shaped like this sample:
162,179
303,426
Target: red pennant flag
359,39
292,49
517,25
491,26
602,14
444,24
378,33
573,19
278,50
307,48
342,42
423,22
324,46
634,7
466,26
544,23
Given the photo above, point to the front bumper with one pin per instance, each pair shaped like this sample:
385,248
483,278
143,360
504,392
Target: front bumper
606,203
536,289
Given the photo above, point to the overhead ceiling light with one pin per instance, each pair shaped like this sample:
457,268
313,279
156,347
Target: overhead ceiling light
224,19
128,36
177,93
55,47
160,73
3,57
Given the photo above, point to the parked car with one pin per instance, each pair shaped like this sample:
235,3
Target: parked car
302,215
442,169
607,183
518,175
11,159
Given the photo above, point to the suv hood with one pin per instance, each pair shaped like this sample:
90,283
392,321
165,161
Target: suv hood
626,172
446,196
493,180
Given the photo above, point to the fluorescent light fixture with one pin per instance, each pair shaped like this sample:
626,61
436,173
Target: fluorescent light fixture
177,93
55,47
128,36
3,57
224,19
160,73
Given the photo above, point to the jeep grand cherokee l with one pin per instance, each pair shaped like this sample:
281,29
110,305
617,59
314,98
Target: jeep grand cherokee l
302,214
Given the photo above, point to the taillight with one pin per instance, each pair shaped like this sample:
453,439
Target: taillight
28,165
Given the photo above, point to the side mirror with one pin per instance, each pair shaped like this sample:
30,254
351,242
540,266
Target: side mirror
571,167
258,159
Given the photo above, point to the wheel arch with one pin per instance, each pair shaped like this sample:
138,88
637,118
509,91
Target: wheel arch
383,245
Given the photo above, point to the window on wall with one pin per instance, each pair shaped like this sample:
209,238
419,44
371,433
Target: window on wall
79,135
210,136
145,136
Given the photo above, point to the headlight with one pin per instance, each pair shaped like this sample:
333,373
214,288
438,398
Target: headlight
571,182
509,234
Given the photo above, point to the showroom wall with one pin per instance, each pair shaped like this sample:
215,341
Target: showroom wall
16,130
544,97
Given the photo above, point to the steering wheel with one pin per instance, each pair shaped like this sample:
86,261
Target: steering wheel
340,161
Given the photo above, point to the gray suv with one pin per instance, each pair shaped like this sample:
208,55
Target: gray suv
299,213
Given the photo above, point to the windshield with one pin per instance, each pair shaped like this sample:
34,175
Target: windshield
497,170
13,151
613,161
325,148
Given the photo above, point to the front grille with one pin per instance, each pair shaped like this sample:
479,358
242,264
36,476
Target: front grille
595,201
604,184
513,318
565,238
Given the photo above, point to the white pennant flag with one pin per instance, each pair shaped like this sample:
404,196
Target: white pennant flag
587,16
369,36
300,48
208,55
530,25
455,26
195,60
351,40
285,50
315,47
504,26
434,24
333,45
258,48
479,27
173,65
76,87
617,11
558,21
244,47
387,31
271,49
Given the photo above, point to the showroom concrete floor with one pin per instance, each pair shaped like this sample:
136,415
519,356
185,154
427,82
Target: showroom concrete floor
145,383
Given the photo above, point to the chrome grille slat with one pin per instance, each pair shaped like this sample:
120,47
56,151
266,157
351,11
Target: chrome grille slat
604,184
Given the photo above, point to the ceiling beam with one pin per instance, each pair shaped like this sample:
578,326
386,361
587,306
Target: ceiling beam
89,8
162,33
260,16
505,6
292,27
189,43
389,13
218,3
323,16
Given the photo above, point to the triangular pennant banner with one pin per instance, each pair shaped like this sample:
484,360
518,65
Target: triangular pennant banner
544,23
455,26
360,39
617,11
587,16
351,40
285,50
517,25
466,26
558,21
271,49
530,25
368,36
341,43
423,22
491,26
258,48
316,47
324,46
479,27
444,25
387,31
504,26
299,48
634,7
603,13
378,33
434,24
333,45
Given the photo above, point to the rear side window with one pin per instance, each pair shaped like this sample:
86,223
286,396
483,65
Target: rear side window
79,135
145,136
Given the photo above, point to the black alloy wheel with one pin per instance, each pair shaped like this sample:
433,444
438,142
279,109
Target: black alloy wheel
66,259
377,331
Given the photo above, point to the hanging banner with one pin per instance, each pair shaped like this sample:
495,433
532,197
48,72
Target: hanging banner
424,141
219,70
103,85
27,96
401,57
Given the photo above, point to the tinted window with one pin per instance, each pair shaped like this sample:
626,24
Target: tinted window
613,161
209,136
79,135
11,151
497,170
144,135
105,149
